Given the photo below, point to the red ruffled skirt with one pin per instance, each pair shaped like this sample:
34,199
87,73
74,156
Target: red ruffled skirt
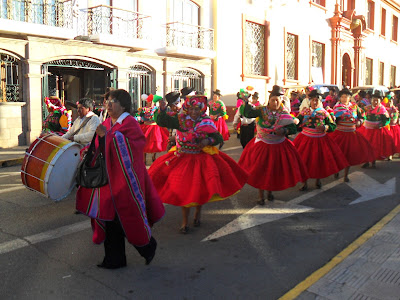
222,128
273,167
156,138
195,179
354,146
395,134
380,140
321,155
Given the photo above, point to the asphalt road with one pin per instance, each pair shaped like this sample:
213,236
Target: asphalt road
46,250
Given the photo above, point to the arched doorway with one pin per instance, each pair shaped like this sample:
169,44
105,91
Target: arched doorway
141,81
188,77
346,70
72,79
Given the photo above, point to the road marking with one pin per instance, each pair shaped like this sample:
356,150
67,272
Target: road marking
44,236
317,275
367,187
8,174
11,173
11,189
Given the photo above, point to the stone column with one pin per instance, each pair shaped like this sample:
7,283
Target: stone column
34,100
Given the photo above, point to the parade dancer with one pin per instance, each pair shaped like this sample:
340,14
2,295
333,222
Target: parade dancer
174,106
218,114
59,119
375,129
394,124
294,103
354,146
194,172
247,125
321,155
272,160
156,136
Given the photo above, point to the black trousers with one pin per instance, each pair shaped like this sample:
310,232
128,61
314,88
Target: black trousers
114,245
246,133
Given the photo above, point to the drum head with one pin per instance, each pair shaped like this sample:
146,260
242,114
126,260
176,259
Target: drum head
60,178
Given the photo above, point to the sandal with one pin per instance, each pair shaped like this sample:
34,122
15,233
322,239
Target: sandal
270,197
261,202
184,229
318,184
366,165
346,179
304,188
196,222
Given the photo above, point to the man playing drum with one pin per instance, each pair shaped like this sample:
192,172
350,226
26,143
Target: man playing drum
85,125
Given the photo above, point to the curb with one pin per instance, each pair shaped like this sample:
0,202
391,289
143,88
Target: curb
318,274
11,162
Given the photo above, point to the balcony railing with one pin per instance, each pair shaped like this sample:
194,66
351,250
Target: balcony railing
56,13
190,36
108,20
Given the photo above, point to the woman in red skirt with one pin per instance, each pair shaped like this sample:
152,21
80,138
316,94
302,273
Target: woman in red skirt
394,124
218,114
156,136
354,145
375,129
321,155
272,160
194,172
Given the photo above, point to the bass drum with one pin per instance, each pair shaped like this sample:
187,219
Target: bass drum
50,165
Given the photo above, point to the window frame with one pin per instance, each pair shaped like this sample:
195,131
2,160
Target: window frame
395,28
195,7
321,5
372,71
322,61
285,79
371,23
383,22
381,73
393,78
247,18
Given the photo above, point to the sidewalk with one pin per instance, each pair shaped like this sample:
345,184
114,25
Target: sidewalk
12,156
368,269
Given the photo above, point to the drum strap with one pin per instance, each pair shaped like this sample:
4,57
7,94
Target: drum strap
82,125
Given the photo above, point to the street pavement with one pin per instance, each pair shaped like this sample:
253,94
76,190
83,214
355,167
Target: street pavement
340,242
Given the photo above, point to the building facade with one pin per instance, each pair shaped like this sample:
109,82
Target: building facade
301,42
76,48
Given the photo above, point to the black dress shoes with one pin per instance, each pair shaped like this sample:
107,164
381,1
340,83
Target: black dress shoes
105,265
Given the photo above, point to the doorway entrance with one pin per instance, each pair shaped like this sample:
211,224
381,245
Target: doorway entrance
71,80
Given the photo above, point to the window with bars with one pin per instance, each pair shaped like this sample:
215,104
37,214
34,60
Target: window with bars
381,73
254,49
370,15
291,56
9,78
368,71
317,54
140,82
317,61
395,25
188,78
392,76
383,22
